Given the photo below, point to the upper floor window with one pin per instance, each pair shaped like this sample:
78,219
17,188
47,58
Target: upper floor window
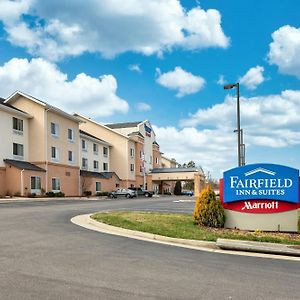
54,153
55,129
131,152
17,124
70,135
105,151
156,160
84,145
105,166
95,148
70,156
18,150
131,167
96,165
84,163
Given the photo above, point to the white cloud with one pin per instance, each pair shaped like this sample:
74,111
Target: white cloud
268,121
284,50
183,82
135,68
141,106
253,78
109,27
221,80
94,97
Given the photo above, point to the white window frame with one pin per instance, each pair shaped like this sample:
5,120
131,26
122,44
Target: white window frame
37,184
56,157
56,129
56,184
19,125
19,155
96,165
86,145
105,164
105,151
97,186
131,167
85,165
72,156
71,140
95,148
131,152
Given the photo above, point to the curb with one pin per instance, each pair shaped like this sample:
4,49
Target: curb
88,223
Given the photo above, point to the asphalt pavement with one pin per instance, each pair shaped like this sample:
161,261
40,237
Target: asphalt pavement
44,256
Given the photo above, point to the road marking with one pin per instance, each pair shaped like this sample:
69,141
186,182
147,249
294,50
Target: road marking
183,200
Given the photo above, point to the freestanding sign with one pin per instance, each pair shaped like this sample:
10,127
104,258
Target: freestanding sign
250,194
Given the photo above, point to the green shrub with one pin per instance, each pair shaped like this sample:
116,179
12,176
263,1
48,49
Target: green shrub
177,189
50,194
87,193
31,195
102,194
208,210
59,194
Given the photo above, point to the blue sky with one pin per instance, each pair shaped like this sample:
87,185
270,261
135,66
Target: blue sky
165,61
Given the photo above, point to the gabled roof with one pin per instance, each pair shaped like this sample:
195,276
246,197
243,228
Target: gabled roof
136,133
23,165
93,137
102,175
9,107
16,94
123,125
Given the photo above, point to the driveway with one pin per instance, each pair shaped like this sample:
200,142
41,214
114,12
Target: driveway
44,256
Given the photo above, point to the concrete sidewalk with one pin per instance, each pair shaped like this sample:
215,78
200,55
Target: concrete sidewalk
275,251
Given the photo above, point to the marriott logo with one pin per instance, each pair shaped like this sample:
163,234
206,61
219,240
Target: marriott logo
260,205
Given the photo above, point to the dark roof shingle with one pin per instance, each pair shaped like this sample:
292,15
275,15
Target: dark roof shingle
20,164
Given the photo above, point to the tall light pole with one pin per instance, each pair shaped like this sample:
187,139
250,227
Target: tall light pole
241,146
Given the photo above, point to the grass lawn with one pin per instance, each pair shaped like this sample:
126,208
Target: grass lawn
183,226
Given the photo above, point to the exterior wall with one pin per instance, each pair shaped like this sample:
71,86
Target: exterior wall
126,130
37,133
167,163
107,185
156,157
91,156
69,178
148,145
62,142
174,176
119,155
131,160
2,182
18,182
9,136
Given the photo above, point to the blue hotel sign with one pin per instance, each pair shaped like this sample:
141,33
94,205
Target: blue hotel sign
261,181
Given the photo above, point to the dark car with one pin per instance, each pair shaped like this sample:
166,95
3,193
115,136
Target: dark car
141,192
122,192
187,193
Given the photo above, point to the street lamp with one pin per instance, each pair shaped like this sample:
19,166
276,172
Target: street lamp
241,145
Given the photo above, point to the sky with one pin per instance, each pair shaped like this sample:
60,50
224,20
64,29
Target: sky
165,61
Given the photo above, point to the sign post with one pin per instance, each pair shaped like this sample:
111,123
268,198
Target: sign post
261,196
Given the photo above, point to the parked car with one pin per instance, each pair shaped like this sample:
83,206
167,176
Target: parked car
187,193
122,192
141,192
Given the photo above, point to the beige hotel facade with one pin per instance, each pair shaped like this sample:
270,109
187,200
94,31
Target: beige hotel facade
44,149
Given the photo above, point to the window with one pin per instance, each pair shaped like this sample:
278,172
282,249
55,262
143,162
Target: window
105,151
98,186
84,163
70,135
156,160
84,145
105,166
141,169
17,124
35,183
96,165
54,153
54,129
131,167
131,152
70,156
95,149
18,149
55,184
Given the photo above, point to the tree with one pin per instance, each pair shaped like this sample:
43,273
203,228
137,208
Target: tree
177,189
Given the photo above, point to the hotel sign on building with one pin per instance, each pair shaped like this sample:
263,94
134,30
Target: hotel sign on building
256,191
